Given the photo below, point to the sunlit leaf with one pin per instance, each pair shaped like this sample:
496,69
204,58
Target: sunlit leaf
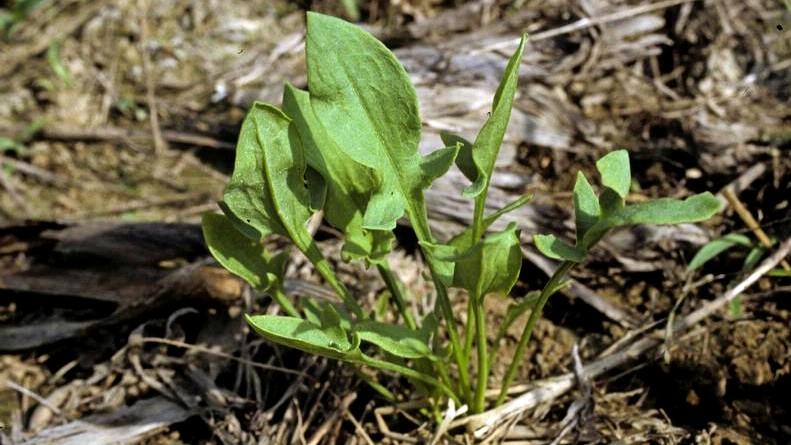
394,339
615,171
553,247
477,160
586,206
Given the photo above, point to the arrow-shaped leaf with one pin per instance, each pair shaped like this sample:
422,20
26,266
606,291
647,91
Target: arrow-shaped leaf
242,256
349,183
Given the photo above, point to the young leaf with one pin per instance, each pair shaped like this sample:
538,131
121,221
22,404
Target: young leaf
437,163
349,183
362,96
394,339
483,152
586,206
660,211
267,190
464,159
301,334
554,247
242,256
615,172
463,240
492,265
716,247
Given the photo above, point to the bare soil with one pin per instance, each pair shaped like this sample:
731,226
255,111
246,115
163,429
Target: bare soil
117,127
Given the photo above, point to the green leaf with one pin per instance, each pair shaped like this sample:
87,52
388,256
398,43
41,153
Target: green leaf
660,211
716,247
586,206
463,240
394,339
553,247
242,256
349,184
301,334
492,265
483,152
437,163
753,257
464,159
615,172
363,98
267,190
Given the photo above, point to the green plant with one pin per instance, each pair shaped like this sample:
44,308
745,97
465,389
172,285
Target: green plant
349,146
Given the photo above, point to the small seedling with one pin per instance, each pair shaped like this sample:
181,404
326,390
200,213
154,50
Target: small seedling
349,146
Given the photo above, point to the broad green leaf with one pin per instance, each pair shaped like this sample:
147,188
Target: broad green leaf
267,190
586,206
492,265
242,256
441,257
349,184
554,247
301,334
660,211
483,152
394,339
615,171
716,247
363,98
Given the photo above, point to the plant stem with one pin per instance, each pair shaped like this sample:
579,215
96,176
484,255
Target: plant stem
396,290
407,372
477,217
550,288
419,220
453,333
282,299
469,330
483,358
323,268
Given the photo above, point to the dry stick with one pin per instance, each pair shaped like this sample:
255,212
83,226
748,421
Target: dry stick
552,388
748,219
156,132
119,135
586,22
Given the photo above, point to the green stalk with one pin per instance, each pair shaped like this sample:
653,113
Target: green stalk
282,299
396,290
483,359
469,331
550,288
407,372
419,220
323,268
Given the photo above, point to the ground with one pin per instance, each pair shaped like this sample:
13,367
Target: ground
117,127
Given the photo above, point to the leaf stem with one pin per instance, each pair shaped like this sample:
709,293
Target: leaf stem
483,358
396,290
550,288
323,268
469,330
407,372
283,301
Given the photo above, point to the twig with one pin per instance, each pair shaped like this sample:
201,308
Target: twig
208,351
549,389
160,147
41,400
751,223
584,23
324,428
120,135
